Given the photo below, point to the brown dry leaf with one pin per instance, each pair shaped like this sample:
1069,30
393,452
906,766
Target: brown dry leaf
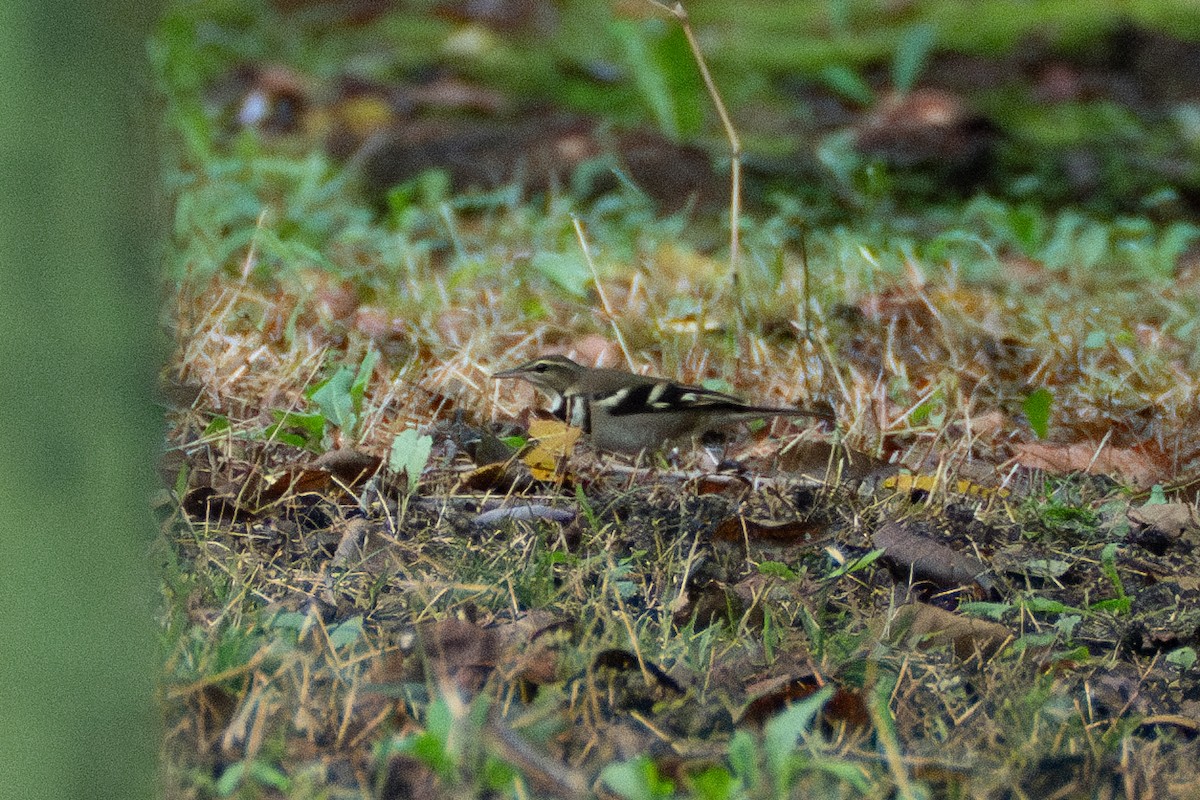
534,646
909,552
845,705
553,443
1172,520
541,153
460,652
709,604
1133,464
924,626
364,547
720,483
264,489
805,533
335,299
827,462
335,474
597,350
350,468
929,127
205,503
489,477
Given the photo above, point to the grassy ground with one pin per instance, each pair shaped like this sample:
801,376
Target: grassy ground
970,234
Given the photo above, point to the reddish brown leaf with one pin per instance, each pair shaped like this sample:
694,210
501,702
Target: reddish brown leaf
844,706
348,467
806,533
1137,465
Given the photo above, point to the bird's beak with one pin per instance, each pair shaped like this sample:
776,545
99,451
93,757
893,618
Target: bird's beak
506,373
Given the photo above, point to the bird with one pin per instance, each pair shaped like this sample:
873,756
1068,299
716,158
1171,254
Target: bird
627,413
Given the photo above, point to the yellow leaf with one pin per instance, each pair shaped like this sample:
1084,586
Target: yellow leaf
927,483
553,442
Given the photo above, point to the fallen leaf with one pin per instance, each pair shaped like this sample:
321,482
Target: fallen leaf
1135,465
922,625
348,467
791,532
553,443
525,513
1171,520
845,705
928,483
911,553
460,652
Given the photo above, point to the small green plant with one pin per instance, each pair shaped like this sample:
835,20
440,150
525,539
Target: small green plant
1108,564
638,779
409,454
453,745
911,54
298,429
253,772
857,564
340,397
1184,658
1037,407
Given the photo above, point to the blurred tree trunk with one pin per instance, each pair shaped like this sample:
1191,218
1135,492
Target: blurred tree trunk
78,431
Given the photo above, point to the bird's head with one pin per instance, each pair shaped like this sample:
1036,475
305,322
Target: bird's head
553,374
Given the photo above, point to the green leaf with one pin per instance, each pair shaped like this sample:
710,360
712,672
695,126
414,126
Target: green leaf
743,757
912,50
994,611
1043,605
637,780
230,779
1184,658
777,569
340,398
298,429
409,455
346,633
662,67
848,83
1108,565
313,424
1037,410
1067,624
567,271
1031,640
267,775
714,783
334,400
1117,605
784,730
362,379
857,564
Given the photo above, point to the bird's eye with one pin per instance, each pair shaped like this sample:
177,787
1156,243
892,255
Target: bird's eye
540,368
